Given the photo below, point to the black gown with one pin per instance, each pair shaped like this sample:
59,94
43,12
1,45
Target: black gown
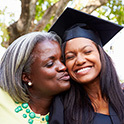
101,119
57,115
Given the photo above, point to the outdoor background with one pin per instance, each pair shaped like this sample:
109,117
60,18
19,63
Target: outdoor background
18,17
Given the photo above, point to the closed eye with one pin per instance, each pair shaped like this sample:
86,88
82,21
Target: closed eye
49,64
69,57
88,52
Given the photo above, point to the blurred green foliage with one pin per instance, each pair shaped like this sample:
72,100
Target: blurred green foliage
3,32
41,7
113,10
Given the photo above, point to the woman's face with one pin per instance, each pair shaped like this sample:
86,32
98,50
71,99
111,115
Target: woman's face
48,73
82,60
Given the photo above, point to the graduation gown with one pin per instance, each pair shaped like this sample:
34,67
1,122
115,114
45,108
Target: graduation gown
106,119
57,114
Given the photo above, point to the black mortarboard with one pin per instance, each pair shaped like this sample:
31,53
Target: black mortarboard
80,24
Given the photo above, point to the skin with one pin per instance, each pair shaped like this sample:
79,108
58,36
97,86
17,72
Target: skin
48,76
82,60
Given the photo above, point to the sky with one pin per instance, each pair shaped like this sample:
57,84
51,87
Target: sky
117,52
13,6
117,42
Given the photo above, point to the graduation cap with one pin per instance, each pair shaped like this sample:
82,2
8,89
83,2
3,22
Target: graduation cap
73,23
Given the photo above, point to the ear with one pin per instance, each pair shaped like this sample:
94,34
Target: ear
26,77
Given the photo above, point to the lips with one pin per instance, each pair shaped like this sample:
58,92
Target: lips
65,77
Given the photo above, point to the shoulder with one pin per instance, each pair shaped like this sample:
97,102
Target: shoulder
4,96
6,102
7,110
56,112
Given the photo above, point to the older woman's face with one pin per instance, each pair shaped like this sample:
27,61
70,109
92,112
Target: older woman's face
48,73
82,60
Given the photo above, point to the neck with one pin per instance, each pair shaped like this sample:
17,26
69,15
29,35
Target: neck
99,104
40,106
93,90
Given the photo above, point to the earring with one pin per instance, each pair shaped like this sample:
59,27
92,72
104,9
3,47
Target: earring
29,83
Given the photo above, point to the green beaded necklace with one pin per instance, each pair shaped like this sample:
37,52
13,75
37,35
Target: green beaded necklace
32,115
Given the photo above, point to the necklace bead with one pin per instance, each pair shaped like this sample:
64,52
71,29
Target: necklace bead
30,121
19,108
31,115
24,105
24,115
28,110
47,117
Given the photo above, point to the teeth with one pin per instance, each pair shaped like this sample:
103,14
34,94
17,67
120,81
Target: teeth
84,69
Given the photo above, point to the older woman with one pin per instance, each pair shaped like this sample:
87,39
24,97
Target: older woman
31,75
95,96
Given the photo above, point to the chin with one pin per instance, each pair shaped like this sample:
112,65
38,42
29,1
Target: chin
67,87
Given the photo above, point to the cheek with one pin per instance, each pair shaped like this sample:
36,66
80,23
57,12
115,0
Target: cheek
44,74
98,63
49,74
69,66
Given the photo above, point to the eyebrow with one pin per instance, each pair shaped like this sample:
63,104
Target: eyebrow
49,57
80,49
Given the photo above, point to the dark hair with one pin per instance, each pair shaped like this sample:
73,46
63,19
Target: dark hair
77,104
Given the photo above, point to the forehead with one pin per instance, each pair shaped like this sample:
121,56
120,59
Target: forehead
46,49
45,46
44,52
79,43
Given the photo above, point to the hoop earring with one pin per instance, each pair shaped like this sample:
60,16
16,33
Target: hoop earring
29,83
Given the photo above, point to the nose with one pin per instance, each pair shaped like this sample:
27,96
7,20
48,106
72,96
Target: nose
80,59
61,67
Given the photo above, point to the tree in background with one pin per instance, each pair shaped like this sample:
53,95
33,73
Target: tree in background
38,15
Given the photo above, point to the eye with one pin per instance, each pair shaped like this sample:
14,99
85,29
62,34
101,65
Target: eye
88,51
69,57
49,64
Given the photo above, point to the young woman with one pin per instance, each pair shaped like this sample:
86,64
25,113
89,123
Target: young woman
95,96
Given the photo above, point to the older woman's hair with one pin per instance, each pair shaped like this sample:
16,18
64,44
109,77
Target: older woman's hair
18,59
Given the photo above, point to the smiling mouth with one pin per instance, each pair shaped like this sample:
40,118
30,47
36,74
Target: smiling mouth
83,70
